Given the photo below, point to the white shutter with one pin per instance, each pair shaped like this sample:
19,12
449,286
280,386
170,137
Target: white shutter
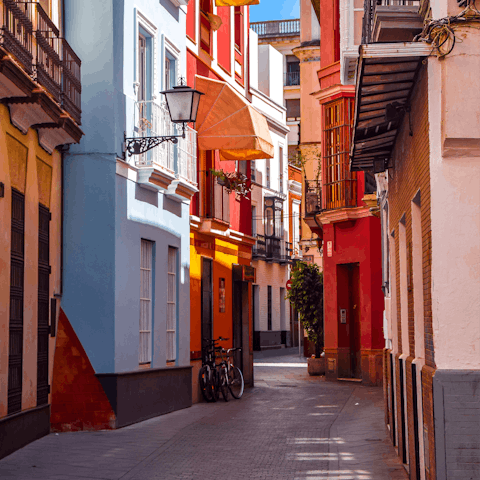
172,305
146,263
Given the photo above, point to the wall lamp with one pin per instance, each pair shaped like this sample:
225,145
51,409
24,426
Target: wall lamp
182,104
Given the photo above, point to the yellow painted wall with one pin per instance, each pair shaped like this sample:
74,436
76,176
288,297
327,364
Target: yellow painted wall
25,166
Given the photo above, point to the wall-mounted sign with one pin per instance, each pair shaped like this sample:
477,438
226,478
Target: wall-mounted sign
243,273
329,248
288,285
221,296
343,315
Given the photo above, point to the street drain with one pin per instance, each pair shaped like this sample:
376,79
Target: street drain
373,440
290,386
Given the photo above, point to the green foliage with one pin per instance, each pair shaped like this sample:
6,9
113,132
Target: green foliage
306,297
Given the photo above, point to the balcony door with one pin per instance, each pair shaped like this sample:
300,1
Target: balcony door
207,302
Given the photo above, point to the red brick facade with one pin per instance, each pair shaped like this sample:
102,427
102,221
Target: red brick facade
410,177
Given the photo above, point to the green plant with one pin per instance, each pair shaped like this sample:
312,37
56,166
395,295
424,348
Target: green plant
306,297
233,181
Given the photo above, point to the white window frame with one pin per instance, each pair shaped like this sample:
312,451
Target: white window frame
146,302
142,22
170,48
172,305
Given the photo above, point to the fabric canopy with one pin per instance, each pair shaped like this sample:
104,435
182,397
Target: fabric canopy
227,123
235,3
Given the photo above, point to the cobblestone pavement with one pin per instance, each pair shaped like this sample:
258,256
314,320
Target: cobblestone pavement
289,427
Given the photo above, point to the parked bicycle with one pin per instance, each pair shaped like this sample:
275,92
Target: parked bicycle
223,376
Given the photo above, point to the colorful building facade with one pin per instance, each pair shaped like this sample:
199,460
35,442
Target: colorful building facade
125,320
230,134
40,90
339,212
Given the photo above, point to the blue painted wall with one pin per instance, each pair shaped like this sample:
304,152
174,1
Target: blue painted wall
106,215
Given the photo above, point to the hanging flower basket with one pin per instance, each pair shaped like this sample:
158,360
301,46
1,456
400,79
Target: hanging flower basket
233,182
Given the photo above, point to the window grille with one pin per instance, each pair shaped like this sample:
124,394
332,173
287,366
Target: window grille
146,277
172,305
269,318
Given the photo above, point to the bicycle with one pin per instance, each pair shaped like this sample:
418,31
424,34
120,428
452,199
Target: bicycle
235,381
208,374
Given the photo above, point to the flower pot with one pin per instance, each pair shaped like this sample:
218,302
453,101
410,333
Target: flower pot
316,366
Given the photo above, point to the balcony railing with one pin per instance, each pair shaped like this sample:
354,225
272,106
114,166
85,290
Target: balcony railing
291,79
272,249
340,194
313,197
274,28
17,32
29,34
153,119
370,10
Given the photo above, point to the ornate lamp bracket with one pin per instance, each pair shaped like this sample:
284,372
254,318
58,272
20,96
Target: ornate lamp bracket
139,145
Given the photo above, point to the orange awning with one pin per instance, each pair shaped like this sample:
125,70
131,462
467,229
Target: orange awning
235,3
227,123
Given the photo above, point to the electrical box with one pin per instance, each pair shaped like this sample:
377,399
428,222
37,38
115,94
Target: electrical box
343,315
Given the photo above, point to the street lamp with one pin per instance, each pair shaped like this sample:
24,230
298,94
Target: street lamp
182,104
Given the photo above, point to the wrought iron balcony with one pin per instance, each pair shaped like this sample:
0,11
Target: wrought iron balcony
313,197
216,199
179,160
33,39
260,247
277,28
390,20
291,79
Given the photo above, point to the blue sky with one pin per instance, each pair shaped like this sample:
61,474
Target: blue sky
275,10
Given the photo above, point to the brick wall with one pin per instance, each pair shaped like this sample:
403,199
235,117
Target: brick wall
411,173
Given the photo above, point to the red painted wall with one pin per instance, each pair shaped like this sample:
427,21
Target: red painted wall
191,18
224,40
354,242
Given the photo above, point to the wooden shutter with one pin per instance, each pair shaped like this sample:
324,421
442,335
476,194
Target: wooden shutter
15,357
146,270
43,304
172,305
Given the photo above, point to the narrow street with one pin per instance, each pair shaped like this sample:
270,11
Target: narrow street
290,426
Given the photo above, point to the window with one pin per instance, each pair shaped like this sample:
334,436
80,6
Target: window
292,76
17,262
293,108
170,71
267,174
205,27
253,170
339,183
142,68
43,310
146,281
172,305
280,164
254,220
238,28
269,312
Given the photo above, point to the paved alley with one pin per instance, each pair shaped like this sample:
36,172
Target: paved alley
289,427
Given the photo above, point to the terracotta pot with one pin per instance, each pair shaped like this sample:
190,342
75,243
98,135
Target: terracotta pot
316,366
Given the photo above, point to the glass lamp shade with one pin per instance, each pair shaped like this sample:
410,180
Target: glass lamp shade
182,103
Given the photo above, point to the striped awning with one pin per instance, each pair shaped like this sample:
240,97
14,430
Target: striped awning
386,75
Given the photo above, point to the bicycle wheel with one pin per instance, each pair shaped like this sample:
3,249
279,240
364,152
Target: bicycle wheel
236,384
224,384
205,383
215,385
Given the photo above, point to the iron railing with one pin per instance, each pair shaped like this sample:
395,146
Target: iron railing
274,28
313,197
272,249
369,11
340,194
291,79
153,119
30,35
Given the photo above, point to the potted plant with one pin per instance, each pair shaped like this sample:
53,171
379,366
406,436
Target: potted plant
233,182
306,296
